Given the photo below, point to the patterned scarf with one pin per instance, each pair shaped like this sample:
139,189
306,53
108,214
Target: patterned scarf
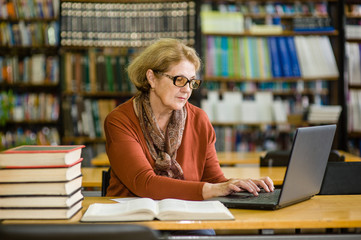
162,147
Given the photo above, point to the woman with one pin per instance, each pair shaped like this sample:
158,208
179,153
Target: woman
159,145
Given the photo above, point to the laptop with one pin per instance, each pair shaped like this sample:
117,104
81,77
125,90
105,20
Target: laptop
306,167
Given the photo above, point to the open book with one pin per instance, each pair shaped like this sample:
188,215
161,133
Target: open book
146,209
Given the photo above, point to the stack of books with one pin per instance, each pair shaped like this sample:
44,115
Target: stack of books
324,114
40,182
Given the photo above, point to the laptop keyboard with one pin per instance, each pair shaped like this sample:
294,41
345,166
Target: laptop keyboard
263,197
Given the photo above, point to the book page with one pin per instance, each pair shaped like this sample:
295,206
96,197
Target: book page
141,209
174,209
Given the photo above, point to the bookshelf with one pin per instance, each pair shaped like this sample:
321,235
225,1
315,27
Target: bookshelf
352,10
98,40
243,51
29,73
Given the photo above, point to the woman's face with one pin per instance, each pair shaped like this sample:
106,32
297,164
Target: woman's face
165,94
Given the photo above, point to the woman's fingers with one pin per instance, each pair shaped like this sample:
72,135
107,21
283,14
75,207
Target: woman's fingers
267,184
253,186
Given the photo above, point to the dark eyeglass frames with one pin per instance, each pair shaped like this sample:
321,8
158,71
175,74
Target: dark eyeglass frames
181,81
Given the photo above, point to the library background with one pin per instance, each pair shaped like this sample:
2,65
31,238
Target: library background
268,67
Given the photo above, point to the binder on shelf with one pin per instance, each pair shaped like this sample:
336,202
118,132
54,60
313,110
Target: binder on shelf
224,57
275,58
295,69
285,61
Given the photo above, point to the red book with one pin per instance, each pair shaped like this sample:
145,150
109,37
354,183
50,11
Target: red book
40,156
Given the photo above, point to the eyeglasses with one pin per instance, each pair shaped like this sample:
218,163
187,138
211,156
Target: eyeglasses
181,81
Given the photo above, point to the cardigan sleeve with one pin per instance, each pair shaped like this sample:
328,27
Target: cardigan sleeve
212,171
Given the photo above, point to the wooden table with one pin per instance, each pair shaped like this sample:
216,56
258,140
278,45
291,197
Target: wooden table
92,176
227,158
320,212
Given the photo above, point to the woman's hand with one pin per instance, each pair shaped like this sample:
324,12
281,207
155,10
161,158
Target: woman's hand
237,185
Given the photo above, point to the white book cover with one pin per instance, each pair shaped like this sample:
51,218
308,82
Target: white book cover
304,56
264,102
353,63
279,111
249,113
329,60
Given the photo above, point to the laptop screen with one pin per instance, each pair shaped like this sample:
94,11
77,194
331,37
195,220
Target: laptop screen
308,161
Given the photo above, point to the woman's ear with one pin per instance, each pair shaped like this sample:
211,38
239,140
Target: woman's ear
150,77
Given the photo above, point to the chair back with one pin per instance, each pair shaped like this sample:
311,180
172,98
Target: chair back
341,178
105,182
279,158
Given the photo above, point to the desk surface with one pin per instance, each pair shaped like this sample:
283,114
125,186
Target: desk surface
340,211
227,158
92,177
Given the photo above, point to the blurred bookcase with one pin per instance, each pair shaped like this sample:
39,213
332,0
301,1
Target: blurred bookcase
29,73
352,11
268,66
98,40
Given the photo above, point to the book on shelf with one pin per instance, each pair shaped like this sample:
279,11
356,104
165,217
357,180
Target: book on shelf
221,22
312,24
40,155
146,209
50,188
40,173
354,111
267,57
86,116
36,69
29,9
34,107
265,29
17,34
41,212
324,114
40,201
353,54
114,24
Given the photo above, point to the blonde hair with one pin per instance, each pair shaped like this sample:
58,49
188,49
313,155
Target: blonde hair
160,56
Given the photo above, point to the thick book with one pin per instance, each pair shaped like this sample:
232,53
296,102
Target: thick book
41,212
146,209
41,174
41,188
33,201
40,155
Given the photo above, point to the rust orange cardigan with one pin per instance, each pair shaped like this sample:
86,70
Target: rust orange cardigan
132,165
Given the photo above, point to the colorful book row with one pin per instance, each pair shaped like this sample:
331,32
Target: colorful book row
31,34
266,58
31,107
125,24
27,9
278,88
246,139
35,69
276,8
85,117
29,136
96,71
